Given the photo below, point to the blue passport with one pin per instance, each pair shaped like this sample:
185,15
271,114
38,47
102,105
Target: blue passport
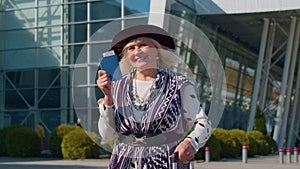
109,62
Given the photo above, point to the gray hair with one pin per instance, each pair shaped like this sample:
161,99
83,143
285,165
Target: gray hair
167,57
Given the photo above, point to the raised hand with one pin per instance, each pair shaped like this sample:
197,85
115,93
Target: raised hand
104,84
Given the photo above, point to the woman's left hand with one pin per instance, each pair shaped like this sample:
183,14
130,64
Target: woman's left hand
186,151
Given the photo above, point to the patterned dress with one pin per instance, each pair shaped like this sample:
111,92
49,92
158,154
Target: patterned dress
149,142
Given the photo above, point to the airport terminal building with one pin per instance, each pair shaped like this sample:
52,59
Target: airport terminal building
50,49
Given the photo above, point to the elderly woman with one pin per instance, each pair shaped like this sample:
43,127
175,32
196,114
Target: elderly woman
149,110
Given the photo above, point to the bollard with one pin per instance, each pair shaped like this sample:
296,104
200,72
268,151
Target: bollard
175,160
244,153
192,165
288,155
296,154
281,160
207,154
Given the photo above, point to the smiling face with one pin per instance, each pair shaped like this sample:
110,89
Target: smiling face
142,53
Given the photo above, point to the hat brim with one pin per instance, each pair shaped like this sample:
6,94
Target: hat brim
150,31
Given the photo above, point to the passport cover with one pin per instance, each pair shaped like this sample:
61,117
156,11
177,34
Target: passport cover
109,62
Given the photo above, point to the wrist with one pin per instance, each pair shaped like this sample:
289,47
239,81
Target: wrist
107,100
192,143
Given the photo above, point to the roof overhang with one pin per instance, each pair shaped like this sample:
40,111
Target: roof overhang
244,6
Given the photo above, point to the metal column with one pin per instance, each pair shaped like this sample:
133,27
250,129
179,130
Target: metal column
258,74
35,109
2,97
289,91
267,66
70,12
122,14
157,11
295,53
236,115
64,96
280,109
63,72
89,95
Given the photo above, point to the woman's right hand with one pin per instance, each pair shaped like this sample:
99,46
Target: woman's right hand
104,84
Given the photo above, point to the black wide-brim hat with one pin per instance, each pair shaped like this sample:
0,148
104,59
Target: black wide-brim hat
154,32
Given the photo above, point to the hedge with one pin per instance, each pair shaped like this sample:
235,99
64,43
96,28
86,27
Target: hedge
243,138
230,145
56,137
78,145
3,133
22,142
262,144
272,145
215,149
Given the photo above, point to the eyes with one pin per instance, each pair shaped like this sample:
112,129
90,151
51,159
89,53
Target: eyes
139,45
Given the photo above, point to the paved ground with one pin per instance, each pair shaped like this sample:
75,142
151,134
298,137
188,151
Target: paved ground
261,162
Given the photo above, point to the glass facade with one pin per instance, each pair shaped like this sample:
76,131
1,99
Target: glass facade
238,98
239,58
40,43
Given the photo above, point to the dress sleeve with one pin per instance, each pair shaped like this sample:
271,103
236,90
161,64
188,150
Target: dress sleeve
201,129
106,123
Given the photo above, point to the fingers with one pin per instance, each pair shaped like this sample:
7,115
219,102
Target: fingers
102,73
104,82
185,156
186,151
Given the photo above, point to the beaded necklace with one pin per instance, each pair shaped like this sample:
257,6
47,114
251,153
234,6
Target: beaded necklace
143,100
140,102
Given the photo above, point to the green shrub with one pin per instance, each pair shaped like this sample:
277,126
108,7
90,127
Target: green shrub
260,121
272,145
243,138
3,133
2,145
238,135
262,144
229,144
56,137
215,149
22,142
78,145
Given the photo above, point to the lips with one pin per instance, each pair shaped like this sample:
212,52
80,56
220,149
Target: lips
143,58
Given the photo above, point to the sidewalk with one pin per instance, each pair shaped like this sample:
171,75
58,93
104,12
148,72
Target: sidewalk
264,162
259,162
51,163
